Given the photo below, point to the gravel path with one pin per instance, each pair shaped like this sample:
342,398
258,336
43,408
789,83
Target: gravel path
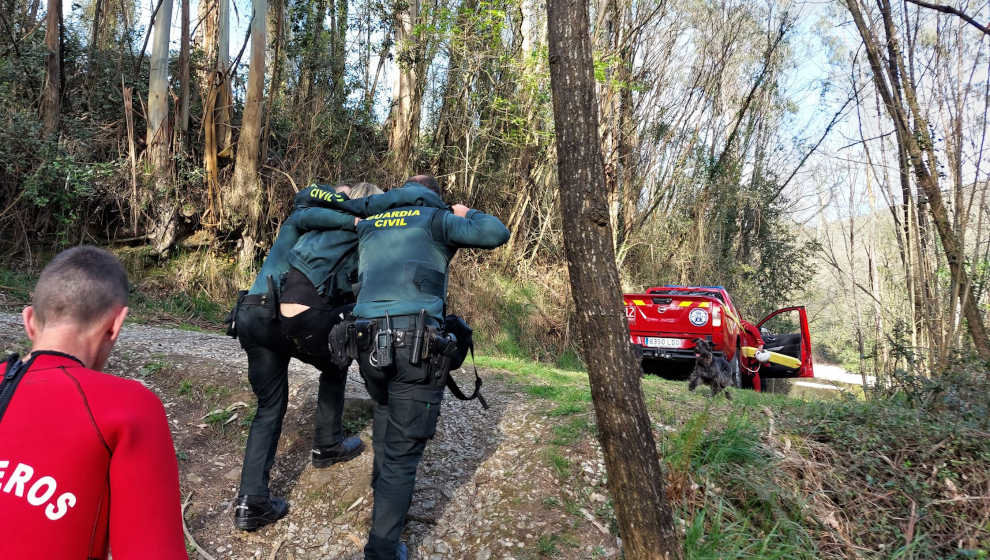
147,340
482,490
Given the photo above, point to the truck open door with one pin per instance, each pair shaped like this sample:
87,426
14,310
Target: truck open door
785,334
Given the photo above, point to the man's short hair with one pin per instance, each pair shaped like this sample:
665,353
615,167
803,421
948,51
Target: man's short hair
79,285
428,181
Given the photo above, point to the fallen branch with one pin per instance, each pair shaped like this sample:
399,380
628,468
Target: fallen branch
960,499
909,531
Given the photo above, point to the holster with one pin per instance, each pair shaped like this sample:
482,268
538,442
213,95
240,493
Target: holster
273,299
231,320
361,336
442,347
339,343
348,339
447,351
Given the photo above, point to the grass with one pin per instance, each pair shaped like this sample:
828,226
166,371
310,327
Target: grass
571,432
547,545
356,417
185,387
770,476
194,312
17,284
155,298
561,465
717,534
567,389
697,448
153,368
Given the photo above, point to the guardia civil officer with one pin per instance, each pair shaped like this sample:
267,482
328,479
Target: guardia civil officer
404,254
257,325
87,461
304,287
316,294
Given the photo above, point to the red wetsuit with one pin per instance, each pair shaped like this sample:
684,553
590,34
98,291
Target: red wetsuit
86,466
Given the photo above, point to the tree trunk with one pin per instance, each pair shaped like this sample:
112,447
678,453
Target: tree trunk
183,124
214,39
406,110
454,124
276,28
635,478
51,101
94,43
225,97
244,201
217,100
628,187
32,12
158,88
338,59
162,201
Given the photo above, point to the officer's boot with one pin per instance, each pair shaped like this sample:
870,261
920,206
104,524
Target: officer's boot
346,450
253,512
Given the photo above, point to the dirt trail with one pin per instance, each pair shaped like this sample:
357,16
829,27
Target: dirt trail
484,488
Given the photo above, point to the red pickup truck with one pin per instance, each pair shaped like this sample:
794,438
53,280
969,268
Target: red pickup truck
665,321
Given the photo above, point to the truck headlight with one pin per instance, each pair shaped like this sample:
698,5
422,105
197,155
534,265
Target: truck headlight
698,317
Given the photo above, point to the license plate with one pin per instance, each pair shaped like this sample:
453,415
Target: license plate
656,342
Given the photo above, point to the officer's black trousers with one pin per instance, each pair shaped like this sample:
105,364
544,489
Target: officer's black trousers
407,407
308,335
268,360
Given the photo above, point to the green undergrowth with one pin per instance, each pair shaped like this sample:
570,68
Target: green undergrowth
16,285
516,317
155,297
770,476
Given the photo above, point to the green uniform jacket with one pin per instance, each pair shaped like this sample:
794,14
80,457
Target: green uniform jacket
305,216
329,257
409,194
404,254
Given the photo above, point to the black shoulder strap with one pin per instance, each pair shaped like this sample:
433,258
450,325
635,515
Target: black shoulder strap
11,378
330,284
436,225
456,391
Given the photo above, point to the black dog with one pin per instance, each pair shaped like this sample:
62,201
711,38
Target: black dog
709,369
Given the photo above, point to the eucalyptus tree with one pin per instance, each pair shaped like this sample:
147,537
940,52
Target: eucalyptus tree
161,199
214,40
51,98
244,199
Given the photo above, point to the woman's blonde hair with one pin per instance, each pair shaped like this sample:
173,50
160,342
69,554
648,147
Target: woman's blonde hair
363,189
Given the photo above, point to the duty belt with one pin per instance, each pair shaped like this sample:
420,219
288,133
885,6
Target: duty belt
381,336
255,299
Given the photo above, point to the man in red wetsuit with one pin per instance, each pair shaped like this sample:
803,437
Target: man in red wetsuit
87,464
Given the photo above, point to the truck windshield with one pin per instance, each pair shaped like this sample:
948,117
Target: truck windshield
704,293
